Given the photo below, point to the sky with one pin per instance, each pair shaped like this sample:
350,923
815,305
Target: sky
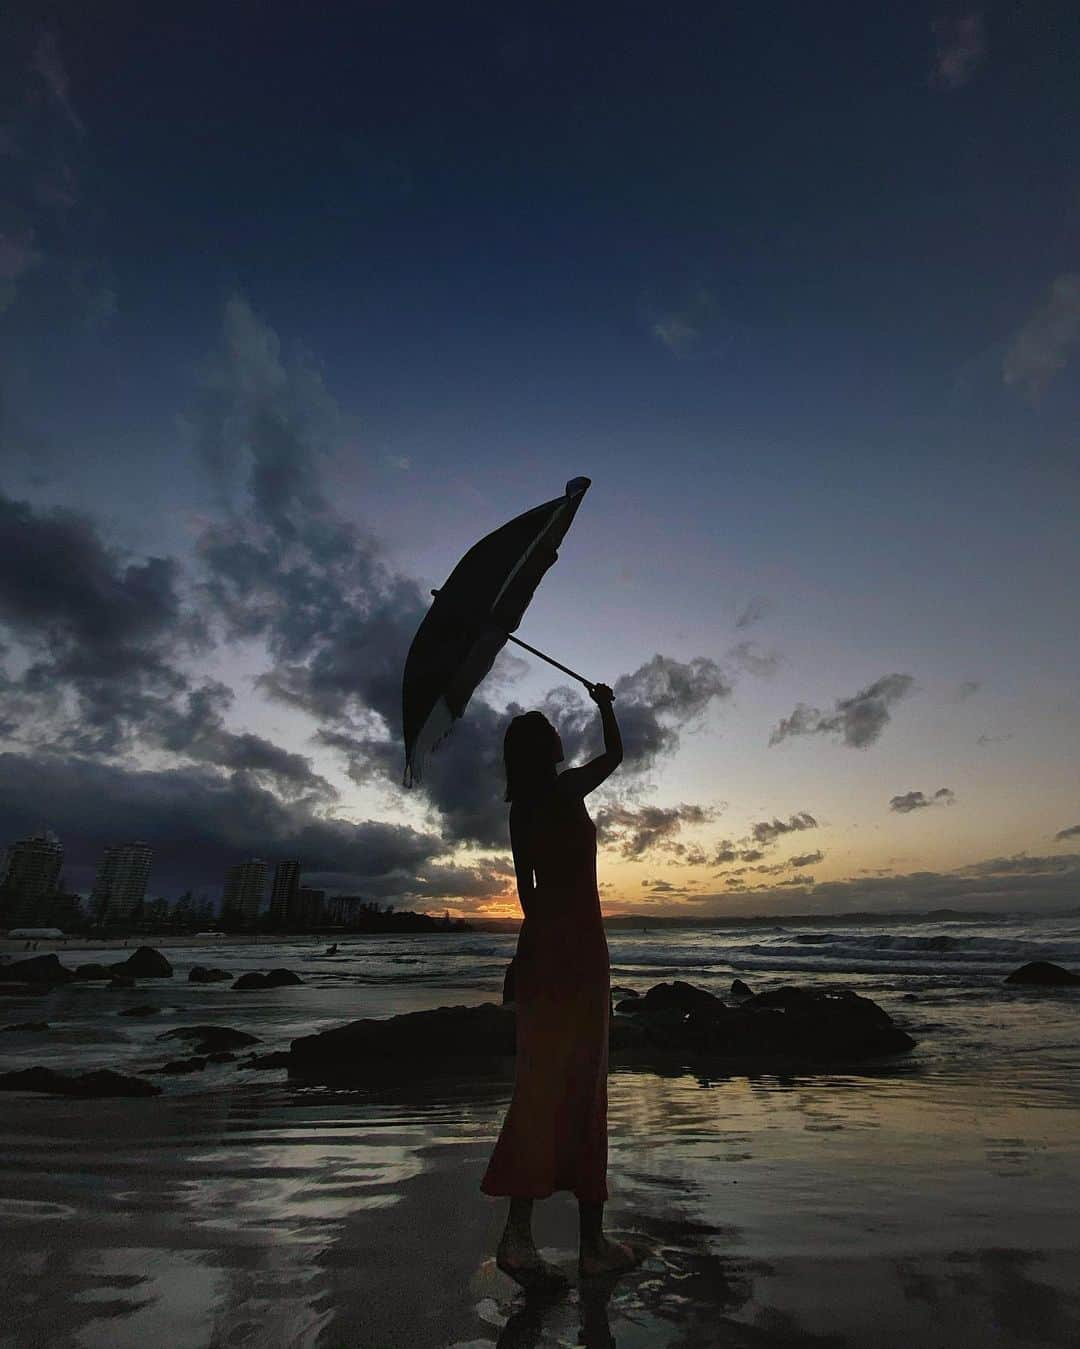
296,305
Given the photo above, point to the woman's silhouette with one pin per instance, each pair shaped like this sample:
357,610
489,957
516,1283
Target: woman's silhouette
554,1136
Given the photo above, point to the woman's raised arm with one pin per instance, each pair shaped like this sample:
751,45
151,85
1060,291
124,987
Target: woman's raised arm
589,776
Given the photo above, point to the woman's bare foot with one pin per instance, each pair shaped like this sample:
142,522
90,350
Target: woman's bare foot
518,1258
607,1257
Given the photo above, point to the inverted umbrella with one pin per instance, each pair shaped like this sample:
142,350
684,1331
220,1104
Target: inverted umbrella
473,616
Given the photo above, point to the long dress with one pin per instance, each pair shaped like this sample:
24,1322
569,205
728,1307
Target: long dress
554,1136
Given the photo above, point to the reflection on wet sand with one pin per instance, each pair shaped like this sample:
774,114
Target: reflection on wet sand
808,1210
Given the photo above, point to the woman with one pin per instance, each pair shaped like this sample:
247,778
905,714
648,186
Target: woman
554,1136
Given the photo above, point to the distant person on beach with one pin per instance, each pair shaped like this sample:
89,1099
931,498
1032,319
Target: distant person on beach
554,1136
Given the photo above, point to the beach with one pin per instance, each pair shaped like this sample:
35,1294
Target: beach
924,1200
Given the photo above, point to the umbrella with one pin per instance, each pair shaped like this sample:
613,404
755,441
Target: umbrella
472,618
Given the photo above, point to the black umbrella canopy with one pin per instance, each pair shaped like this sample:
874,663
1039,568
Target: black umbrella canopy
471,618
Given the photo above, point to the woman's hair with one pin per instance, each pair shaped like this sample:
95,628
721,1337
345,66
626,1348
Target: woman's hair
528,753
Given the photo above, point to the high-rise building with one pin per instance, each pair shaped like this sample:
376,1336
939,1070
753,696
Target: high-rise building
31,874
309,907
283,894
121,881
245,885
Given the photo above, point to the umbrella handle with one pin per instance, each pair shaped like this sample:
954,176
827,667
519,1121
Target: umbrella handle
551,661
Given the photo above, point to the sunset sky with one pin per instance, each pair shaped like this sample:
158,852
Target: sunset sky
296,304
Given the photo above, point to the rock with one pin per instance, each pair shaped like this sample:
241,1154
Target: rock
620,991
1044,974
39,970
145,963
282,979
84,972
195,1064
275,979
741,990
201,974
103,1082
143,1010
222,1056
484,1031
677,996
210,1039
263,1062
26,1025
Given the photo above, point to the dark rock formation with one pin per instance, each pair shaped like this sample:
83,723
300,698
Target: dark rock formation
38,970
1043,973
195,1064
741,990
90,972
207,1040
787,1026
275,979
674,997
144,1009
222,1056
202,974
264,1062
103,1082
480,1032
620,991
25,1025
145,963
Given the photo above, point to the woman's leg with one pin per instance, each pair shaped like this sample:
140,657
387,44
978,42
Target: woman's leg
597,1254
519,1222
517,1254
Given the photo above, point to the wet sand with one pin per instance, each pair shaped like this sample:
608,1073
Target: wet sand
907,1207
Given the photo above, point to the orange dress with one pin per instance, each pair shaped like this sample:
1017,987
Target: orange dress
554,1136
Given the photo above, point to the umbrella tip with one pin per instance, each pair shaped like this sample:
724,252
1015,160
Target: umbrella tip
577,486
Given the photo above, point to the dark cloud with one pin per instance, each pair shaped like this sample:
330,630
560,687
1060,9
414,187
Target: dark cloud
104,638
993,739
910,801
199,821
1073,831
653,703
102,634
808,859
636,831
858,720
1003,884
768,831
751,855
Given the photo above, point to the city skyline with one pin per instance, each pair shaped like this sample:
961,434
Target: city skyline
264,387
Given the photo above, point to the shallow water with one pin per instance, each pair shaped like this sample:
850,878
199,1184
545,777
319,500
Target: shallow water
928,1201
